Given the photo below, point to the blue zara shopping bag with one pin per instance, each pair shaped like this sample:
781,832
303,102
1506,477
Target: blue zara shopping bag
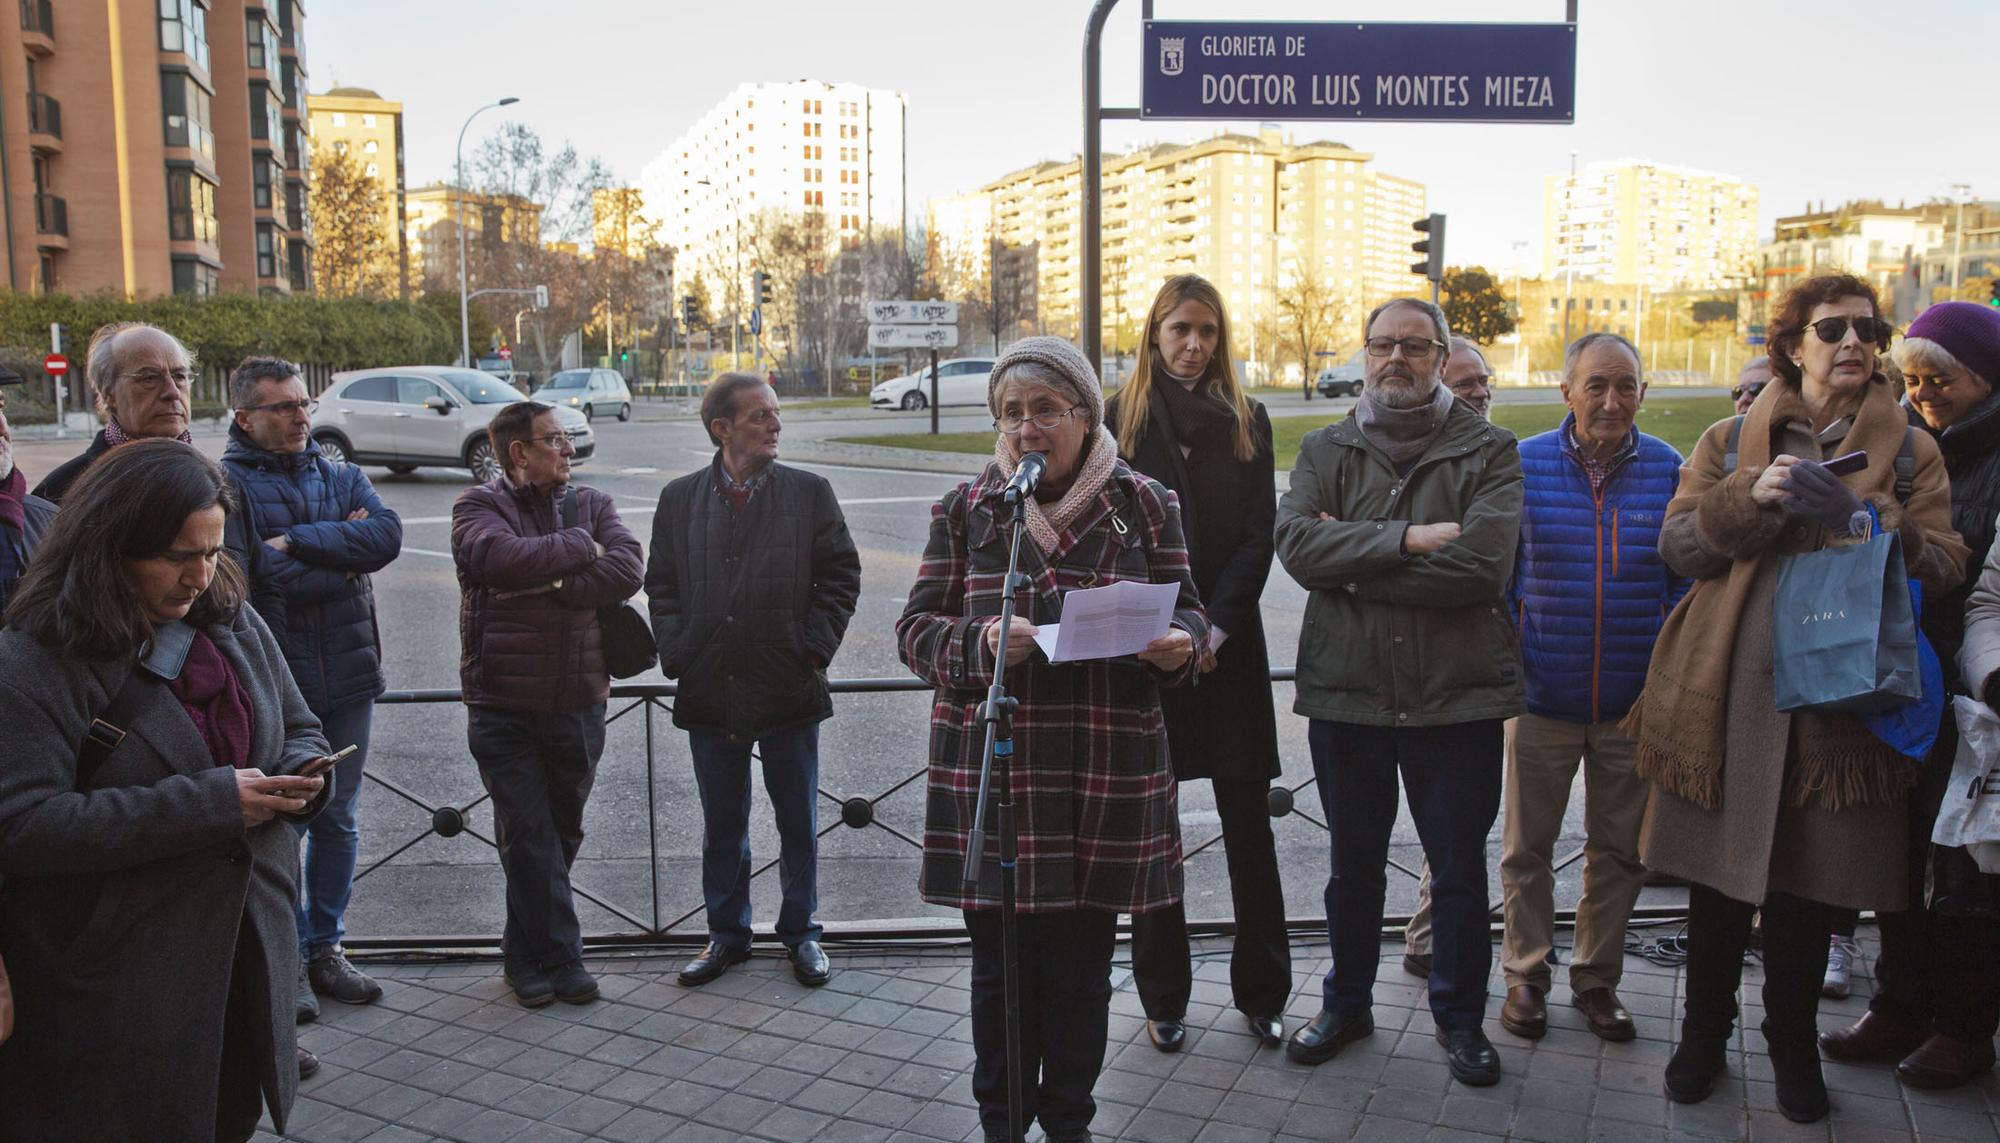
1845,637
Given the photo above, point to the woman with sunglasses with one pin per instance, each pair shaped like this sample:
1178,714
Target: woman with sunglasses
1184,421
1937,995
1756,808
1094,797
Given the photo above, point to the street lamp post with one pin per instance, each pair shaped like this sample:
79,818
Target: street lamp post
1959,191
458,199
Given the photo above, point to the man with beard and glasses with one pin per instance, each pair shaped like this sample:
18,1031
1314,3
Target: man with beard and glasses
1402,523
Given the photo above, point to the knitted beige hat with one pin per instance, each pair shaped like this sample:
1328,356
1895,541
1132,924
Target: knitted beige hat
1066,360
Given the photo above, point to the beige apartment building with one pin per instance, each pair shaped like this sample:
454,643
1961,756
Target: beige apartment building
158,146
359,123
430,219
1254,214
1649,224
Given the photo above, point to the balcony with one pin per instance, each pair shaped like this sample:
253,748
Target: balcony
44,122
38,26
52,220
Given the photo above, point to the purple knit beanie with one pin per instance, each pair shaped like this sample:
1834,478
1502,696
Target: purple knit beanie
1967,331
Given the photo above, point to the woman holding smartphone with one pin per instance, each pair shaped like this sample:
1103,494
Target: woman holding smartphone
157,754
1184,421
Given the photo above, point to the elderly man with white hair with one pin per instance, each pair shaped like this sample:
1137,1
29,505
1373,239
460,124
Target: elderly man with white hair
141,377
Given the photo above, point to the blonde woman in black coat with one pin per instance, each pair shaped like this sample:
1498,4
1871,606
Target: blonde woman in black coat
1183,420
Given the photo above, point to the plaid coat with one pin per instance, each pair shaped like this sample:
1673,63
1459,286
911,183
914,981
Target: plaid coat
1093,791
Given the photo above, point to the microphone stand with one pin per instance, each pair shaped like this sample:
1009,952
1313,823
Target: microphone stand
997,712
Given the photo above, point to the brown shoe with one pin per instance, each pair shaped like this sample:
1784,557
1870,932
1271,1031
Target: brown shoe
1943,1062
1525,1013
1606,1015
1872,1037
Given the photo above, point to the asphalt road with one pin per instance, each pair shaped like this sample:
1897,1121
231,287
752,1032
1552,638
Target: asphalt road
875,743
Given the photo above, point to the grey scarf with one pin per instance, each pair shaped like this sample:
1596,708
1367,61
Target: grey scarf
1403,434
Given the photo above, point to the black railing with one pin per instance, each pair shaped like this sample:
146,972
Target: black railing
44,115
652,924
51,215
38,16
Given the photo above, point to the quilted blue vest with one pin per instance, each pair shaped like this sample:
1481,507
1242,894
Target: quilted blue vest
1590,590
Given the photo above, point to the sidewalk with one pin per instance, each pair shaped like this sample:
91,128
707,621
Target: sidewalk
882,1055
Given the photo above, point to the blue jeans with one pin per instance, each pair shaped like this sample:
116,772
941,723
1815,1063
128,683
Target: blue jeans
1452,775
331,838
791,777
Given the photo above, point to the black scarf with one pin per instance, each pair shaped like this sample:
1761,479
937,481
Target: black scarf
1198,416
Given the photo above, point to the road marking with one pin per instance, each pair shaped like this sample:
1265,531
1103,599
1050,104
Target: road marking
643,470
410,551
844,502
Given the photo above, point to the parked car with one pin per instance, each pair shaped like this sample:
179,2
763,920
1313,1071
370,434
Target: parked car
423,416
1343,380
961,381
589,391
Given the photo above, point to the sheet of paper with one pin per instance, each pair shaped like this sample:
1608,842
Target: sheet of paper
1106,622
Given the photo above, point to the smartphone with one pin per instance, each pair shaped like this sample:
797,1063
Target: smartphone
320,765
1852,462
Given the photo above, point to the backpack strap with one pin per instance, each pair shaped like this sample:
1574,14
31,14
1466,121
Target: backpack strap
107,730
1735,437
1906,466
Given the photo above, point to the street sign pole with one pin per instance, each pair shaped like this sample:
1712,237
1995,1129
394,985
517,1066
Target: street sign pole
934,393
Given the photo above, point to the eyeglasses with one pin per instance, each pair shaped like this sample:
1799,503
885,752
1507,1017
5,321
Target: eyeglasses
1414,348
1012,423
1470,383
553,440
1833,330
153,378
283,407
1751,391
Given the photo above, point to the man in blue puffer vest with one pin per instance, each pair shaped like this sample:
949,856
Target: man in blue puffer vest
310,533
1589,594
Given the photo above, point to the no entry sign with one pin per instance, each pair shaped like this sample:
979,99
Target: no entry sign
1479,73
55,365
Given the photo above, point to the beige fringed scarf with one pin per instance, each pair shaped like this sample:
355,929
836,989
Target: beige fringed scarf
1047,521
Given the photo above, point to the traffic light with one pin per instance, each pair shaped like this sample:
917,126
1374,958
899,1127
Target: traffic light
1432,247
763,288
1995,299
59,339
688,314
624,355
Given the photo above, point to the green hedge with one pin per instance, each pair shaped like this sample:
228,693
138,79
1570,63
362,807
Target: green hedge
350,333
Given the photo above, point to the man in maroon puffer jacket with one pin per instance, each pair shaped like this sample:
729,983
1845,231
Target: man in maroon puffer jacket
531,663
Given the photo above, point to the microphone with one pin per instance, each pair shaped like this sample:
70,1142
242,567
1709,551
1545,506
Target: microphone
1027,473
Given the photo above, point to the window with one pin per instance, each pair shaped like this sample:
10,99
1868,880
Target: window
260,173
267,114
267,251
190,206
371,389
340,119
184,28
48,270
193,276
374,170
368,120
185,106
415,391
370,147
262,41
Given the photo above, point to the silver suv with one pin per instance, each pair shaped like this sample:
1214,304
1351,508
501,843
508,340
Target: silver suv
589,391
423,416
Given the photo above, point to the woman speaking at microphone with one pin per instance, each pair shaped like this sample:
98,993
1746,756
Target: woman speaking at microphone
1092,787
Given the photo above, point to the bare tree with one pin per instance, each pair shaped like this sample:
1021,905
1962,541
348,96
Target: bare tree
1311,308
351,229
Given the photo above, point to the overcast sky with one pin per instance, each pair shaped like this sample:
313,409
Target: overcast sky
1834,100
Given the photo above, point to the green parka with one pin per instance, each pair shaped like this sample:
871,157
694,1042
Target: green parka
1393,639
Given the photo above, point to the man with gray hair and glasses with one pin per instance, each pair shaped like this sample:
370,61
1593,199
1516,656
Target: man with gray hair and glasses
1468,376
1402,523
142,378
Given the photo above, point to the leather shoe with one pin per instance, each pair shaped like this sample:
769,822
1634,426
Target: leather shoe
1471,1056
1607,1017
530,984
573,983
1167,1035
1872,1037
308,1064
810,964
1417,964
713,962
1943,1062
1525,1013
1269,1030
1321,1039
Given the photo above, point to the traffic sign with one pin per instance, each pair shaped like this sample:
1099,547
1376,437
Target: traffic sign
912,336
56,365
1485,73
1754,339
506,353
907,313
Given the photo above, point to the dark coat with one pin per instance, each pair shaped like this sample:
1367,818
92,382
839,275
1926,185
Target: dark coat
1226,728
520,646
57,482
1094,794
126,900
316,595
1971,449
37,514
749,608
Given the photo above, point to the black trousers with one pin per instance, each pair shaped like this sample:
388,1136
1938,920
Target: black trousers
1065,1015
239,1095
1937,970
538,768
1260,962
1795,938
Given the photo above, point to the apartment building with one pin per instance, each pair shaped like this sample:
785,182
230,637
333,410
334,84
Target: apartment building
361,125
1649,224
430,219
162,148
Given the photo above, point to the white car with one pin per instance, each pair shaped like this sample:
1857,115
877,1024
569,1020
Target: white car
589,391
961,381
423,416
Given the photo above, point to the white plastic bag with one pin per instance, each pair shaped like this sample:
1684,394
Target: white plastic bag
1970,813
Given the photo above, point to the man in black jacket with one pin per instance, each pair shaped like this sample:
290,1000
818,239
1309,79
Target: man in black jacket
23,518
141,377
752,580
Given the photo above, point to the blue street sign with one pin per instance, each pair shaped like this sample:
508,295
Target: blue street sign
1754,339
1482,73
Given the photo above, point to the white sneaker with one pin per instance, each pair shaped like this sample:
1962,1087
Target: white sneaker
1841,953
